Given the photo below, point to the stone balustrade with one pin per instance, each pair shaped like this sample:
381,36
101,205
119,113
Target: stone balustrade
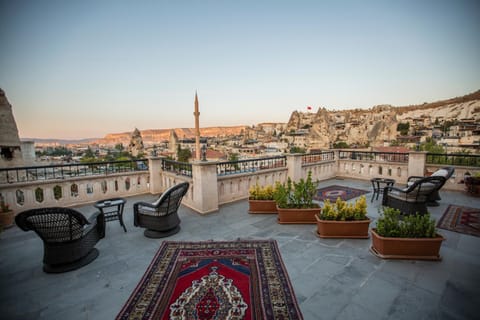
211,187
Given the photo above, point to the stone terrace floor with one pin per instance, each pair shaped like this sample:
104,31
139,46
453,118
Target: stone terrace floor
332,279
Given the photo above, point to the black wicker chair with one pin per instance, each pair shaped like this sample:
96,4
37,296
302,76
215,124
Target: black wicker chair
68,237
434,197
412,199
160,218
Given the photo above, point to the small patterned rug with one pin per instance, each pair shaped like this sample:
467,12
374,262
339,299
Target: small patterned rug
214,280
333,192
461,219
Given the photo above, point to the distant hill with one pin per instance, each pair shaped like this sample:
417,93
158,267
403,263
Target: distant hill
60,141
153,136
428,105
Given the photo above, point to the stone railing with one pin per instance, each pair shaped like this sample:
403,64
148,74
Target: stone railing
216,183
67,192
368,165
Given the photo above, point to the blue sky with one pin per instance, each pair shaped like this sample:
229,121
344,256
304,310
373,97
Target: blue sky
77,69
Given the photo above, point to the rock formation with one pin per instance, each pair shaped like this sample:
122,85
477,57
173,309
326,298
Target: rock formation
10,145
378,125
136,143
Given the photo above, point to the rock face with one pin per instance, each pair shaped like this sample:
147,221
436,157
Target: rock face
354,126
377,125
10,145
156,136
136,143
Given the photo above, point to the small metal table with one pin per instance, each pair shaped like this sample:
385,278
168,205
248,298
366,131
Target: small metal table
112,209
379,184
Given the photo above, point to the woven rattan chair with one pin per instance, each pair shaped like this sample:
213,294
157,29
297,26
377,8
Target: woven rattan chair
412,199
434,197
160,218
68,237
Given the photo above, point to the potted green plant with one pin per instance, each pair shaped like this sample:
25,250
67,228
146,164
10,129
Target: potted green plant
472,183
6,215
405,237
261,199
295,201
343,220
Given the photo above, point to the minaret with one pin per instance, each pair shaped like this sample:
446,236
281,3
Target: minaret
196,113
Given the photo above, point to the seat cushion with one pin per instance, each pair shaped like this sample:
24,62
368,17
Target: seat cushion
440,173
148,211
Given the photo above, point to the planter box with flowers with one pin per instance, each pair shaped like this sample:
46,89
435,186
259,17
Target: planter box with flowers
343,220
405,237
295,202
6,215
261,199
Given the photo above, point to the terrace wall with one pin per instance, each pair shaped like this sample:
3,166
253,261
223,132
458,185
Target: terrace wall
216,183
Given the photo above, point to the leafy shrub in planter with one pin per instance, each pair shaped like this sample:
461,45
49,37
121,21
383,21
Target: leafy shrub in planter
261,193
392,224
296,194
343,211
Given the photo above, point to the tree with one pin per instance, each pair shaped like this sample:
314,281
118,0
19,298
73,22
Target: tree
296,149
233,157
431,146
340,145
119,147
88,156
183,154
403,128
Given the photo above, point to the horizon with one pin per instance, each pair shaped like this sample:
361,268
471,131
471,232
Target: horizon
85,69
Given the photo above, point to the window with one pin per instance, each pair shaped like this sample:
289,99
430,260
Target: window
6,153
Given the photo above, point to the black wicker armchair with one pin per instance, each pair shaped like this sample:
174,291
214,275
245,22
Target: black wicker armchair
446,172
68,237
160,218
412,199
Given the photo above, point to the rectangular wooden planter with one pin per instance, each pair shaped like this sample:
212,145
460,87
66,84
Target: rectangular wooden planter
343,229
297,216
262,206
406,248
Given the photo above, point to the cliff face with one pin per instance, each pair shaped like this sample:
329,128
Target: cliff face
156,136
379,124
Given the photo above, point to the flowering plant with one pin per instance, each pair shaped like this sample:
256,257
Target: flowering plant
261,193
343,211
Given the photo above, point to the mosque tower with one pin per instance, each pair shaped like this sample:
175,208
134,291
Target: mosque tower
196,113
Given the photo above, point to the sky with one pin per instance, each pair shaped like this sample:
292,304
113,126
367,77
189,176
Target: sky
82,69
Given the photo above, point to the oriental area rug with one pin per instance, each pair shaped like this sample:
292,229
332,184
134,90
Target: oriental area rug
461,219
333,192
214,280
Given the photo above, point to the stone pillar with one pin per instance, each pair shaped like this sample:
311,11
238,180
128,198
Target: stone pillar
294,166
416,163
155,170
205,190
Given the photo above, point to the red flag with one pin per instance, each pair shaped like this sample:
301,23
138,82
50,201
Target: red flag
309,108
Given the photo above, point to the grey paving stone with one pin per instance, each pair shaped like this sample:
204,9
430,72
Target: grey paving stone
332,278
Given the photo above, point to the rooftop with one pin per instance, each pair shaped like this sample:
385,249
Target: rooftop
332,278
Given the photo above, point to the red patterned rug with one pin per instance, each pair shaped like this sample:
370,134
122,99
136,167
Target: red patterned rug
333,192
461,219
214,280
